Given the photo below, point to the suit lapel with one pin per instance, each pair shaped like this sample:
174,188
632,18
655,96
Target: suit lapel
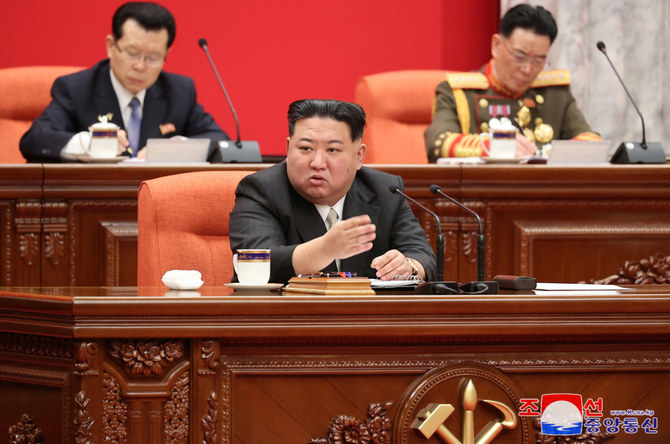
357,203
153,113
105,99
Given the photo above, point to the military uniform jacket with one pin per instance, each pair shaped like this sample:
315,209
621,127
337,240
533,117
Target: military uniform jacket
465,102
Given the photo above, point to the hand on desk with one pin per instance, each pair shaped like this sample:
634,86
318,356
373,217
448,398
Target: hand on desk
124,145
524,147
394,263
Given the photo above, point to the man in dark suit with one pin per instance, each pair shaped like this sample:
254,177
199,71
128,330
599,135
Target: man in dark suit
321,206
130,89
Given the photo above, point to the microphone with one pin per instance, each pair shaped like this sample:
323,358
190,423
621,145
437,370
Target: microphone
491,286
439,242
248,151
634,152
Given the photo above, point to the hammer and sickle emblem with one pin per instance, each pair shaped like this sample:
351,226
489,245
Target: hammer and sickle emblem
431,419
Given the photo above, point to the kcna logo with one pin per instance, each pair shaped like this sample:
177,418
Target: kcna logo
561,414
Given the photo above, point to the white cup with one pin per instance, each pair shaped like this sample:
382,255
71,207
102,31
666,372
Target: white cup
252,266
104,143
502,143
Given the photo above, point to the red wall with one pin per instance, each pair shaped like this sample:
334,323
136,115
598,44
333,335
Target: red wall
268,53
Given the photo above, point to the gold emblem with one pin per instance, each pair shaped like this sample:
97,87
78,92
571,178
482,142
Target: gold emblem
523,117
105,118
538,121
484,127
539,99
431,419
544,133
483,103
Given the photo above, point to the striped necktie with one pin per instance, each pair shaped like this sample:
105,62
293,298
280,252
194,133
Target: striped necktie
330,221
134,125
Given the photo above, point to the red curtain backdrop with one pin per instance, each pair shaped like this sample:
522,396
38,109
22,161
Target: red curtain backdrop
268,53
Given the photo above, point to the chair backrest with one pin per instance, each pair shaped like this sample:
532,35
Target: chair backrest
182,223
24,93
399,108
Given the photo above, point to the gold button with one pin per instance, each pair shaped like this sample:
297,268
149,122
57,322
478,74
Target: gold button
484,127
483,103
539,99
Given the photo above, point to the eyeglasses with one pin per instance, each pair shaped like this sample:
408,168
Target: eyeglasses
133,56
520,58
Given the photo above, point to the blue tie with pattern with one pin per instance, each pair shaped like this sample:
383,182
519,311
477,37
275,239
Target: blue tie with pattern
134,125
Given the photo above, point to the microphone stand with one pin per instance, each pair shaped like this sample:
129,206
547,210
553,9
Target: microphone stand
480,286
634,152
247,151
438,286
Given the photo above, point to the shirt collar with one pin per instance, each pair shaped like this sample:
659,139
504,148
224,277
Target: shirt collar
122,94
338,207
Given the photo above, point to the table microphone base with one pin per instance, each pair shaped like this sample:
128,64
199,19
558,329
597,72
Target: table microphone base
450,287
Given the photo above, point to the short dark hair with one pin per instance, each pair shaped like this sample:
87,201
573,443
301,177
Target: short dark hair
534,18
350,113
151,16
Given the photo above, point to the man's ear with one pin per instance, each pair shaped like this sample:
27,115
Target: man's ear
288,141
496,41
360,156
109,43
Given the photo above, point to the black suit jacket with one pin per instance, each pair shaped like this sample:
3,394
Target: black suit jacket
78,99
269,213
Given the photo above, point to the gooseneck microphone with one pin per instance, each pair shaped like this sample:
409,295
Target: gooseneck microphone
481,285
249,151
634,152
481,245
439,242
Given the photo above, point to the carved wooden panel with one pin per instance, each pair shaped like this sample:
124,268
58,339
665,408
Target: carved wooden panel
652,270
547,250
120,253
88,239
25,431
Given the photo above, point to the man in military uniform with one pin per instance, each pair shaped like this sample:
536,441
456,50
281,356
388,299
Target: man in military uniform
512,85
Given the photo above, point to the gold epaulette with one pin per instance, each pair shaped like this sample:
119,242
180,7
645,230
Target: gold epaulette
467,80
555,77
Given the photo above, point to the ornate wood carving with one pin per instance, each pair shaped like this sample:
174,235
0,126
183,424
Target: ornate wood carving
175,419
85,354
54,220
210,353
584,438
83,422
29,247
54,247
114,410
209,421
146,357
347,429
652,270
36,345
25,431
6,238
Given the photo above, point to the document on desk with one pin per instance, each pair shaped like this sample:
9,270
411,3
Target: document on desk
548,288
400,283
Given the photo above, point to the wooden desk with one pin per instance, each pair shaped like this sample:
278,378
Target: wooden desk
150,366
76,224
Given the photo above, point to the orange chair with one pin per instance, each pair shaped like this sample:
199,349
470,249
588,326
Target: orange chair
399,108
182,223
24,93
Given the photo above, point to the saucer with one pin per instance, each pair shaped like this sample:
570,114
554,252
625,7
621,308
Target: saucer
502,160
254,287
90,159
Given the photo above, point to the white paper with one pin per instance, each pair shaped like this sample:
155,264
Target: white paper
547,286
378,283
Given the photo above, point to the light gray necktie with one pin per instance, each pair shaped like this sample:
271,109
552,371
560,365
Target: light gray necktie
330,221
134,125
